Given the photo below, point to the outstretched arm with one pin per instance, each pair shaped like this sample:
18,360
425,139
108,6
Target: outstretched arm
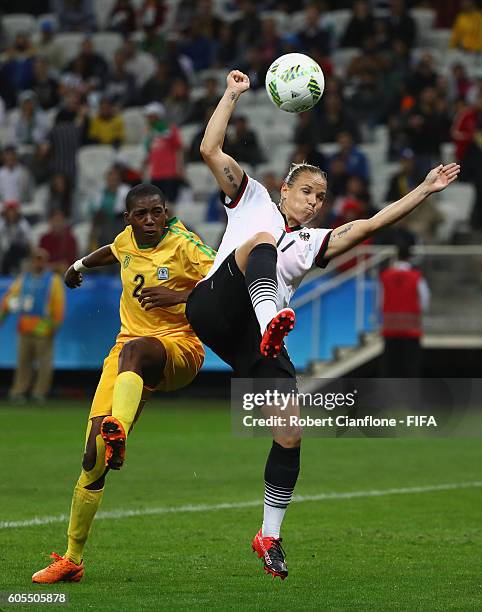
226,170
101,257
349,235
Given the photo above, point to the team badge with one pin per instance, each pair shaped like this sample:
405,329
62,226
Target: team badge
305,236
127,261
162,273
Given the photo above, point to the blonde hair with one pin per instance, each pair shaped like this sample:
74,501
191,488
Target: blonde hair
296,169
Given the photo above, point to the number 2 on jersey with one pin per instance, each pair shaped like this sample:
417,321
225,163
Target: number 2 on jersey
139,280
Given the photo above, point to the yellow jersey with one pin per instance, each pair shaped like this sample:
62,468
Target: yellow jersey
178,262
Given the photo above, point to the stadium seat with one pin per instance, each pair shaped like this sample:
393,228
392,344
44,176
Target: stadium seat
93,161
81,232
336,21
200,179
102,9
191,213
107,44
18,22
438,39
134,124
134,154
38,230
187,134
70,43
456,206
211,233
425,20
342,59
448,152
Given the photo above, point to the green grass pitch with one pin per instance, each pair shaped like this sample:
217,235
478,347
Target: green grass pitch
407,551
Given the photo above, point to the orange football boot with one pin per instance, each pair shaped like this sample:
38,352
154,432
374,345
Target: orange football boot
272,553
114,438
60,570
279,327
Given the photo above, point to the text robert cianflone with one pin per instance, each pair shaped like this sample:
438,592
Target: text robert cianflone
328,401
340,421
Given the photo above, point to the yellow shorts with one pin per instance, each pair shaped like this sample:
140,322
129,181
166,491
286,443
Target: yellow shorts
185,356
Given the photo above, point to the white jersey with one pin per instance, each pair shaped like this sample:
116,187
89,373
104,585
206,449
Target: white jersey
299,248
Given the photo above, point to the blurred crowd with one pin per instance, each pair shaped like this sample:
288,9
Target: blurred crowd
51,108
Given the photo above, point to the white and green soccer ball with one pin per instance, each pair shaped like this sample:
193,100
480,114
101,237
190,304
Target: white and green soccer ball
295,82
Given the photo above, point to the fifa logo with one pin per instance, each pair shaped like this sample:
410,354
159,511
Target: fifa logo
305,236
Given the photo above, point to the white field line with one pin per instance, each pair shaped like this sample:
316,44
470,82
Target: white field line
116,514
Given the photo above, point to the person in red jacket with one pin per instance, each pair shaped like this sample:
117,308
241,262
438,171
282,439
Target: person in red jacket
405,297
59,242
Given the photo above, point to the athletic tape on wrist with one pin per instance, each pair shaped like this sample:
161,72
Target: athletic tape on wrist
79,266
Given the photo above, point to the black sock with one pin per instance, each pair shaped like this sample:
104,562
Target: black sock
280,476
262,282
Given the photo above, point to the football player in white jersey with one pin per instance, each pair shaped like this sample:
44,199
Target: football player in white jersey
240,310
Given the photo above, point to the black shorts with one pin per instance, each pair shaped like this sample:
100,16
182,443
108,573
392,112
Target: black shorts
220,312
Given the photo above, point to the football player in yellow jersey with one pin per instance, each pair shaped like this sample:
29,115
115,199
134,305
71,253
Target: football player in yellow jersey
155,349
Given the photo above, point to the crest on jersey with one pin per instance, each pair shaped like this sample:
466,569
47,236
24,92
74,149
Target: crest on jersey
305,236
162,273
127,260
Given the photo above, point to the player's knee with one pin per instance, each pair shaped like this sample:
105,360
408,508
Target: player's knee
130,357
263,238
290,439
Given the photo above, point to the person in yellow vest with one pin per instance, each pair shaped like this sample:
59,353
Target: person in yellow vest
467,29
38,298
156,348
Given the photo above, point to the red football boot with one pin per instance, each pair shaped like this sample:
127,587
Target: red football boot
279,327
271,551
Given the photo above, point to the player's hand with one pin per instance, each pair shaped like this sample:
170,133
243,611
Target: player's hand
237,82
72,278
440,177
162,297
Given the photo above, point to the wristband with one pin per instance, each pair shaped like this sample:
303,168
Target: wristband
79,266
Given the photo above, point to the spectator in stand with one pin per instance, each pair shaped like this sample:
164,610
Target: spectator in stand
48,47
423,76
178,104
400,24
157,87
353,204
364,103
59,242
247,28
406,179
91,66
60,196
270,42
164,152
209,99
140,64
120,85
254,66
16,71
360,26
467,29
15,233
15,180
151,14
44,84
354,159
37,296
459,84
243,144
107,210
333,119
67,135
153,42
75,15
467,136
426,126
312,35
338,177
30,126
307,153
197,47
225,51
107,127
405,297
122,17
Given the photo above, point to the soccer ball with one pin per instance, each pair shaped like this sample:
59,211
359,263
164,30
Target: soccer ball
294,82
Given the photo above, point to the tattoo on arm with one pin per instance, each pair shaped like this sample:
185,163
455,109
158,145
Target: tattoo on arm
234,96
229,175
344,231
